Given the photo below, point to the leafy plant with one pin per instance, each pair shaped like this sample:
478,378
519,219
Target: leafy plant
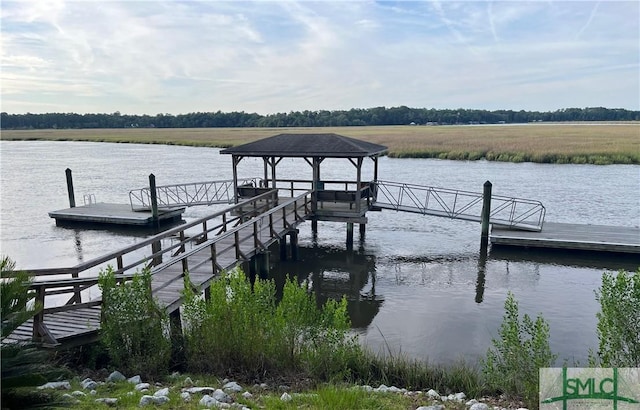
619,319
244,328
14,303
134,327
512,365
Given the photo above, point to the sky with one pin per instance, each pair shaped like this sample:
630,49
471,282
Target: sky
174,57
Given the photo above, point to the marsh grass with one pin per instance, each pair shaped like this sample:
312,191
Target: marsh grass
575,143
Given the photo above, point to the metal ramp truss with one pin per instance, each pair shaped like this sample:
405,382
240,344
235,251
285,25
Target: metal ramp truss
513,213
190,194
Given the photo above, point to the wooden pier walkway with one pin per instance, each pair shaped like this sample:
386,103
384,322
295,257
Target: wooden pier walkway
203,248
572,237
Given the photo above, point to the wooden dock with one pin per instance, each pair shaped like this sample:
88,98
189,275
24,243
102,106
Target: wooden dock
601,238
240,234
114,215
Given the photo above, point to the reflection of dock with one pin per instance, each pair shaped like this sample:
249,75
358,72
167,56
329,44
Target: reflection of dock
114,214
572,237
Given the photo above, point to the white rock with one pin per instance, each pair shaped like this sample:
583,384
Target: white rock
471,402
433,394
146,400
285,397
523,408
221,396
78,393
459,397
135,379
434,407
200,390
160,400
116,376
56,386
67,396
247,395
264,386
185,396
224,406
162,392
93,392
88,384
381,389
131,393
479,406
208,401
187,382
232,386
142,386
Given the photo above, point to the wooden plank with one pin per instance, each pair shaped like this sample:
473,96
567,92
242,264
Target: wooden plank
572,236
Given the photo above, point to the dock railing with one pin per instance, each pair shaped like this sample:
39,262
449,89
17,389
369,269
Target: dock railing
171,247
515,213
190,194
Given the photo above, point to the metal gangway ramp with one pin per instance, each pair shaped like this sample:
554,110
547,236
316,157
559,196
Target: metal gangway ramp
190,194
513,213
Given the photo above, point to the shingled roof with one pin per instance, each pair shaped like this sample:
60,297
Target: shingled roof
307,145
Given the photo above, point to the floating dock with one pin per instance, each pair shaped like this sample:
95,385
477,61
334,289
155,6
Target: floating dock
599,238
114,215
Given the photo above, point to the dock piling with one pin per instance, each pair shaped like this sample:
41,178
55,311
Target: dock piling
486,213
154,199
72,197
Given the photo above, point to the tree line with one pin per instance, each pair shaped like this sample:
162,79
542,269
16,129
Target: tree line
322,118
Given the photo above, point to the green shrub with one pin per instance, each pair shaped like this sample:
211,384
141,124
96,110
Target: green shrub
512,365
134,327
619,319
244,329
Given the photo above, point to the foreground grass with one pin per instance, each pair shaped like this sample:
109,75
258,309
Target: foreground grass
578,143
326,396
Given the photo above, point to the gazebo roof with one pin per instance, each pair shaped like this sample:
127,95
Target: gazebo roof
307,145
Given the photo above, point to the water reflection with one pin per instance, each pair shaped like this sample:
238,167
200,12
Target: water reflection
332,273
482,269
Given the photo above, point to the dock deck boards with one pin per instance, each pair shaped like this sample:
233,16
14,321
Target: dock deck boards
572,236
113,214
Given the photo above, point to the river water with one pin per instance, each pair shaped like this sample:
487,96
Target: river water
413,284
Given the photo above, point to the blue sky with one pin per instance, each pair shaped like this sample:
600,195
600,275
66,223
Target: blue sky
149,57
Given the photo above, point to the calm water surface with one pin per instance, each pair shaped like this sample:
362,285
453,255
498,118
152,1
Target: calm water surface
413,284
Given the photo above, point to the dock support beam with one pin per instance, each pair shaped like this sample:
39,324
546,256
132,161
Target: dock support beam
294,245
363,231
72,197
486,213
283,248
349,235
154,199
177,338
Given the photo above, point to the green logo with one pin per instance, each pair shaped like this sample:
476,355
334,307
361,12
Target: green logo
589,388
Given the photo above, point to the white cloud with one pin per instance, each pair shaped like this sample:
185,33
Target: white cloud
172,56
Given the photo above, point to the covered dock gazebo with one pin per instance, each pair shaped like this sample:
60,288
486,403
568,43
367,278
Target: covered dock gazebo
345,200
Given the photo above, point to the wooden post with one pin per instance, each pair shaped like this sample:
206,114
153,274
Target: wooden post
283,248
363,231
349,235
294,245
264,265
38,319
486,213
314,227
177,338
72,197
154,199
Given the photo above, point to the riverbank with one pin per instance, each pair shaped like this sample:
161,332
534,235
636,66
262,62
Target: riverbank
574,143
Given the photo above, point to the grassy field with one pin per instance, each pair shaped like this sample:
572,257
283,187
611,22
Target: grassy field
600,143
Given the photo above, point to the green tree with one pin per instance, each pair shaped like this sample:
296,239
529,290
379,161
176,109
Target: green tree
619,319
